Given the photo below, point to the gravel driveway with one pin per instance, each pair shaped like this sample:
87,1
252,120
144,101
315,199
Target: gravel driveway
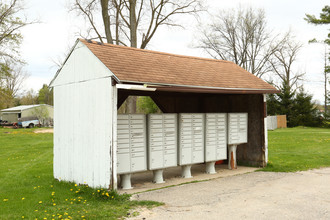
257,195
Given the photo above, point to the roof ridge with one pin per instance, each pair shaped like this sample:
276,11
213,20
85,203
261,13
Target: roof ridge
152,51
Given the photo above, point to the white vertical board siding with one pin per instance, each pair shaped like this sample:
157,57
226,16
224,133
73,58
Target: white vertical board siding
82,135
83,120
81,66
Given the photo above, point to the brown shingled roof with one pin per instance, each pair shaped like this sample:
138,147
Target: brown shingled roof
151,67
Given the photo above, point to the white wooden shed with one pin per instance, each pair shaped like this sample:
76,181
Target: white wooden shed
96,79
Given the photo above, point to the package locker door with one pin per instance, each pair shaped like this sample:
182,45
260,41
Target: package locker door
156,160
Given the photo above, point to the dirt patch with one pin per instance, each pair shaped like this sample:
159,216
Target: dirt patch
44,130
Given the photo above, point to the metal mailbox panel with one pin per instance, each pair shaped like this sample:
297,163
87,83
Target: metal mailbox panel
216,133
131,134
191,136
170,160
237,128
162,136
138,164
156,159
221,153
123,163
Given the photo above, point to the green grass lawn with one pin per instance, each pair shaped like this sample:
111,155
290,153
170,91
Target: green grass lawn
300,148
28,190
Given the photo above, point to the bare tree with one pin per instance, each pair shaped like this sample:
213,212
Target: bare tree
128,22
14,81
283,60
132,22
240,35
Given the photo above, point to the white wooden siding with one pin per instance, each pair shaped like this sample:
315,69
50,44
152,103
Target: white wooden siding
83,106
82,65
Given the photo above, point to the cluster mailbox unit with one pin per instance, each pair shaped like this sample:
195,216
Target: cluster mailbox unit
131,149
215,140
237,134
191,141
159,141
162,143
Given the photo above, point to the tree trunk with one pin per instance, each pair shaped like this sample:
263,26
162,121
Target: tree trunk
132,20
131,100
106,20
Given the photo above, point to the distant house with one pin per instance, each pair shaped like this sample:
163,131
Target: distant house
14,114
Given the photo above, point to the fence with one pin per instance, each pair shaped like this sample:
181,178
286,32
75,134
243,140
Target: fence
277,121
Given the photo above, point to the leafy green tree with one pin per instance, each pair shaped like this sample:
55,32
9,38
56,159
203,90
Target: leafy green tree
146,105
45,95
11,21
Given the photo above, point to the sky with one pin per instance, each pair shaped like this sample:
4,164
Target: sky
58,29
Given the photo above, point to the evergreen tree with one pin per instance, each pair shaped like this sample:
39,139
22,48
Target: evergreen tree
304,112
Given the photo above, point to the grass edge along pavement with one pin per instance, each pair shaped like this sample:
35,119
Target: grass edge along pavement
29,191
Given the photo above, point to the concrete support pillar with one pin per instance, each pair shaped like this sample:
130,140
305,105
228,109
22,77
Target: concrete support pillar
158,176
232,157
210,167
186,171
125,181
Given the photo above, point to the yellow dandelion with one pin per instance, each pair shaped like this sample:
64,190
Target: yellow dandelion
71,202
51,186
23,198
40,202
5,200
71,189
66,199
54,204
23,217
75,184
98,190
83,216
35,210
34,187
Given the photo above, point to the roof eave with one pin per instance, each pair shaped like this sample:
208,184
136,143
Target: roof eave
202,89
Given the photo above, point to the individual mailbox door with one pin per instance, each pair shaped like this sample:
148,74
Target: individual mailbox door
216,136
191,138
131,143
162,141
237,128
